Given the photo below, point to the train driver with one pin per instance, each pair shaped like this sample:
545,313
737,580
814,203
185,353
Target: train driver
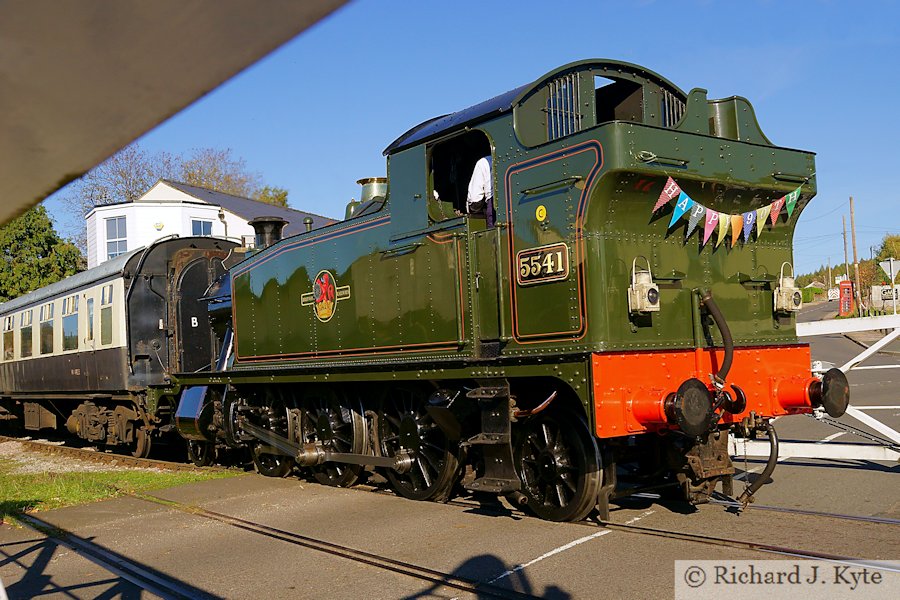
480,197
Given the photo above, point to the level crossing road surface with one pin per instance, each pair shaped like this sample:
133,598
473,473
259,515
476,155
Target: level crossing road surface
216,559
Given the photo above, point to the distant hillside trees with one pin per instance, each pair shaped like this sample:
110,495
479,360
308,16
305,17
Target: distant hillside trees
33,255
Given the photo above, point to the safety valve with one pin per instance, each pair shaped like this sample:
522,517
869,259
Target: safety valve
643,294
787,295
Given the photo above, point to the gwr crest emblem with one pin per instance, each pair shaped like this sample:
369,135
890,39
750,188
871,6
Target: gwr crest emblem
325,296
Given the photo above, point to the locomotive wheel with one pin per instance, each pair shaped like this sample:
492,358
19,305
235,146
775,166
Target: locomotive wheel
404,424
337,422
277,418
556,458
141,443
202,454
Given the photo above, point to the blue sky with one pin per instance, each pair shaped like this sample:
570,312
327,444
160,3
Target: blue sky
314,116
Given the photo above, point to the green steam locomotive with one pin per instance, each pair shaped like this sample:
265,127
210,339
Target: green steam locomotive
625,298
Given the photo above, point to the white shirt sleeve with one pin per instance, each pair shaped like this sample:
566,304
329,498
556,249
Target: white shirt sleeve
480,183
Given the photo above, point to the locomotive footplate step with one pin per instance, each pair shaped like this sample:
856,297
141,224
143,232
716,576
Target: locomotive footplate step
494,441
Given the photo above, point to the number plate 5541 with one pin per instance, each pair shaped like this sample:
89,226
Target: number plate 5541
541,264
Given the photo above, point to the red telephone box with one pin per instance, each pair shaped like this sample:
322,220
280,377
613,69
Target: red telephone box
847,307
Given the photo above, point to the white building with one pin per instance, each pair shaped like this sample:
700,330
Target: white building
176,208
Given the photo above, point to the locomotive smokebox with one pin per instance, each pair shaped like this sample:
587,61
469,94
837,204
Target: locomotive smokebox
268,230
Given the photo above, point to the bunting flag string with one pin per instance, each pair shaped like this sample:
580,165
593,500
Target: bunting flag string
737,222
697,212
741,226
762,215
724,224
670,190
712,220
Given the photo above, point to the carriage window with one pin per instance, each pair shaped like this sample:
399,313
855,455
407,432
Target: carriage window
25,338
70,323
9,339
90,319
46,328
106,315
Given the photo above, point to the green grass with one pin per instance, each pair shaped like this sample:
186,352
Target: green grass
21,493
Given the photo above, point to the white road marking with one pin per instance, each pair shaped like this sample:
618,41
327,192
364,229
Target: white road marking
825,440
878,407
565,547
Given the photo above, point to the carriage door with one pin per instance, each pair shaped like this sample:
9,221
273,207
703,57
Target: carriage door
194,335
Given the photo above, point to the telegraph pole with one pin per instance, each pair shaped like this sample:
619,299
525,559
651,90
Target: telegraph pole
855,256
846,260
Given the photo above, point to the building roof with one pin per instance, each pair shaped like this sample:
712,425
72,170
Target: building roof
251,209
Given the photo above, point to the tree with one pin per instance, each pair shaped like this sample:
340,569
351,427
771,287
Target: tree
890,248
34,255
131,172
219,170
272,195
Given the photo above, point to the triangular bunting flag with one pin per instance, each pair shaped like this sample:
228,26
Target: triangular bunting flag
724,223
749,221
776,209
698,213
736,228
791,201
761,215
669,191
682,206
712,219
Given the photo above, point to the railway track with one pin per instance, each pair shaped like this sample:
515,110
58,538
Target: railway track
501,510
137,574
107,458
479,588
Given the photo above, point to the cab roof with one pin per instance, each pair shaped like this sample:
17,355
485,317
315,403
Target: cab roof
505,102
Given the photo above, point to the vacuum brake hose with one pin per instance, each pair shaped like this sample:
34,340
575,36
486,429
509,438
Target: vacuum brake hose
747,496
727,341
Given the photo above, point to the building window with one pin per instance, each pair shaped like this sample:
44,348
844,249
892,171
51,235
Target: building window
46,328
199,227
25,338
116,237
70,323
9,339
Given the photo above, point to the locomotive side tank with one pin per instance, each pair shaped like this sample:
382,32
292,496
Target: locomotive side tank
82,352
582,322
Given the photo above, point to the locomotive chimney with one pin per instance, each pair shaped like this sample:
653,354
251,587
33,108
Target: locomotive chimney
268,230
308,223
372,188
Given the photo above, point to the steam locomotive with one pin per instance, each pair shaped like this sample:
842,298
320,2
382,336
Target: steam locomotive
624,302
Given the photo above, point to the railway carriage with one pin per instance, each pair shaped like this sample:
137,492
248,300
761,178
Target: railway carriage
624,303
82,352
